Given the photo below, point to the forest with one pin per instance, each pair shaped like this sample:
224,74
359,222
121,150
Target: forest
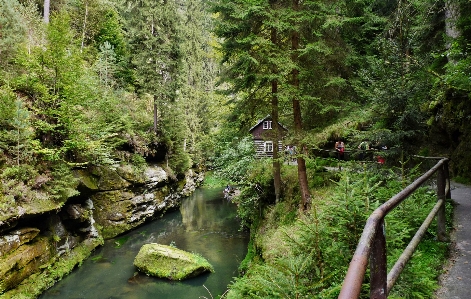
179,83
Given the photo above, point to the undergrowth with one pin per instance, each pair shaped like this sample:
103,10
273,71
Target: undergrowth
211,180
306,255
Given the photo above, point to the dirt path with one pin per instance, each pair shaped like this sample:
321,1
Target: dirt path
456,281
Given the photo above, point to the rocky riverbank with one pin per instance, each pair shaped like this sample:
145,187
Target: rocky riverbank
40,244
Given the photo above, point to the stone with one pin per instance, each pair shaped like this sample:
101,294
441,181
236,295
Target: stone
23,262
169,262
155,176
110,179
16,238
131,174
87,180
75,211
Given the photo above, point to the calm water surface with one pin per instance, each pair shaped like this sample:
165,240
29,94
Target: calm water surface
205,224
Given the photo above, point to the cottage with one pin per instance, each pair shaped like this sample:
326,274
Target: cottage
262,137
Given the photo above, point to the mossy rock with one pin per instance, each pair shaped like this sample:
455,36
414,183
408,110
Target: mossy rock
86,179
131,174
169,262
23,262
52,271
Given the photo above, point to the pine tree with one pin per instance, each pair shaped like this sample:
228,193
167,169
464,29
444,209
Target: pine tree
12,29
285,45
155,43
197,75
254,53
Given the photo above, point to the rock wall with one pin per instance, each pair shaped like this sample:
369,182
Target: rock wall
133,200
39,247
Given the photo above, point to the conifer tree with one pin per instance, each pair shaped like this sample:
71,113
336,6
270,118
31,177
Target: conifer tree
12,29
154,40
254,47
302,175
197,75
293,60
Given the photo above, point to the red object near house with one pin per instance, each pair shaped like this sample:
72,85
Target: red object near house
380,160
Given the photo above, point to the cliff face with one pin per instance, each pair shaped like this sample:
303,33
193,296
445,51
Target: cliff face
39,245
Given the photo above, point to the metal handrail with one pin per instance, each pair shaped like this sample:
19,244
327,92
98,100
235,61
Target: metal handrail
372,244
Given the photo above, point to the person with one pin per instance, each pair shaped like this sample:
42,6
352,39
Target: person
380,160
227,191
363,147
340,148
293,153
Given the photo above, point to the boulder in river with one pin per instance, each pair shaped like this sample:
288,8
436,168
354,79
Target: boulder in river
169,262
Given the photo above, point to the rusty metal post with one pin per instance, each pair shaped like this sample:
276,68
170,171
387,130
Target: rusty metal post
441,216
378,265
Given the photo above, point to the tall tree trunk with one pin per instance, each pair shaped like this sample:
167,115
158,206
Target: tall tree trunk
155,114
276,128
452,13
302,174
84,26
47,5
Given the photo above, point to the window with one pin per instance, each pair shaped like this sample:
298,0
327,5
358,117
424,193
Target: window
269,146
267,125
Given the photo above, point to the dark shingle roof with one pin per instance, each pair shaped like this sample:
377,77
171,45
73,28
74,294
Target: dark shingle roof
268,117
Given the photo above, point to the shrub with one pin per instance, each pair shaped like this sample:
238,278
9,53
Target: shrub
308,258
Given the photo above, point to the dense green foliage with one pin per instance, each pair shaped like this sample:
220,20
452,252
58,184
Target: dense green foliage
290,258
72,95
108,82
390,72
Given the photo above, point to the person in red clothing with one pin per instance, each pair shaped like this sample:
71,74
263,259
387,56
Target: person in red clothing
340,148
380,160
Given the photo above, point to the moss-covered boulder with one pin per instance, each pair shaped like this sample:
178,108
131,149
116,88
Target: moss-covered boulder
23,262
15,239
170,262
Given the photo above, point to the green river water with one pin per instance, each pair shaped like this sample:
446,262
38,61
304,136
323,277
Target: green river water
205,224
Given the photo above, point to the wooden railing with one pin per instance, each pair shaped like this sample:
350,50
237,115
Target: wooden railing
372,245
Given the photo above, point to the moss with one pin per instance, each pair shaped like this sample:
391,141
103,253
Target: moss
111,231
101,178
114,209
181,185
132,173
87,179
110,180
169,262
33,207
22,262
249,257
35,284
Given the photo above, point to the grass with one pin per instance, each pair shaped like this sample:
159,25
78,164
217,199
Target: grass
307,254
213,181
462,180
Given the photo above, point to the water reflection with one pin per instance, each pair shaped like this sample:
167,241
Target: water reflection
205,224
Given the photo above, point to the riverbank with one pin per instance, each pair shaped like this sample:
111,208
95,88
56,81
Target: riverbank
306,254
40,246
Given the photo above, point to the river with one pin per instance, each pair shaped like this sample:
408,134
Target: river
205,224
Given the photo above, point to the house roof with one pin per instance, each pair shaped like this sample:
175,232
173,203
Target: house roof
268,117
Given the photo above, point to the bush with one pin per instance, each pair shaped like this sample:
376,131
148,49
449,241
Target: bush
308,258
23,173
235,160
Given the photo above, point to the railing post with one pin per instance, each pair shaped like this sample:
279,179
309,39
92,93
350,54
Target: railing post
378,265
441,216
447,180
